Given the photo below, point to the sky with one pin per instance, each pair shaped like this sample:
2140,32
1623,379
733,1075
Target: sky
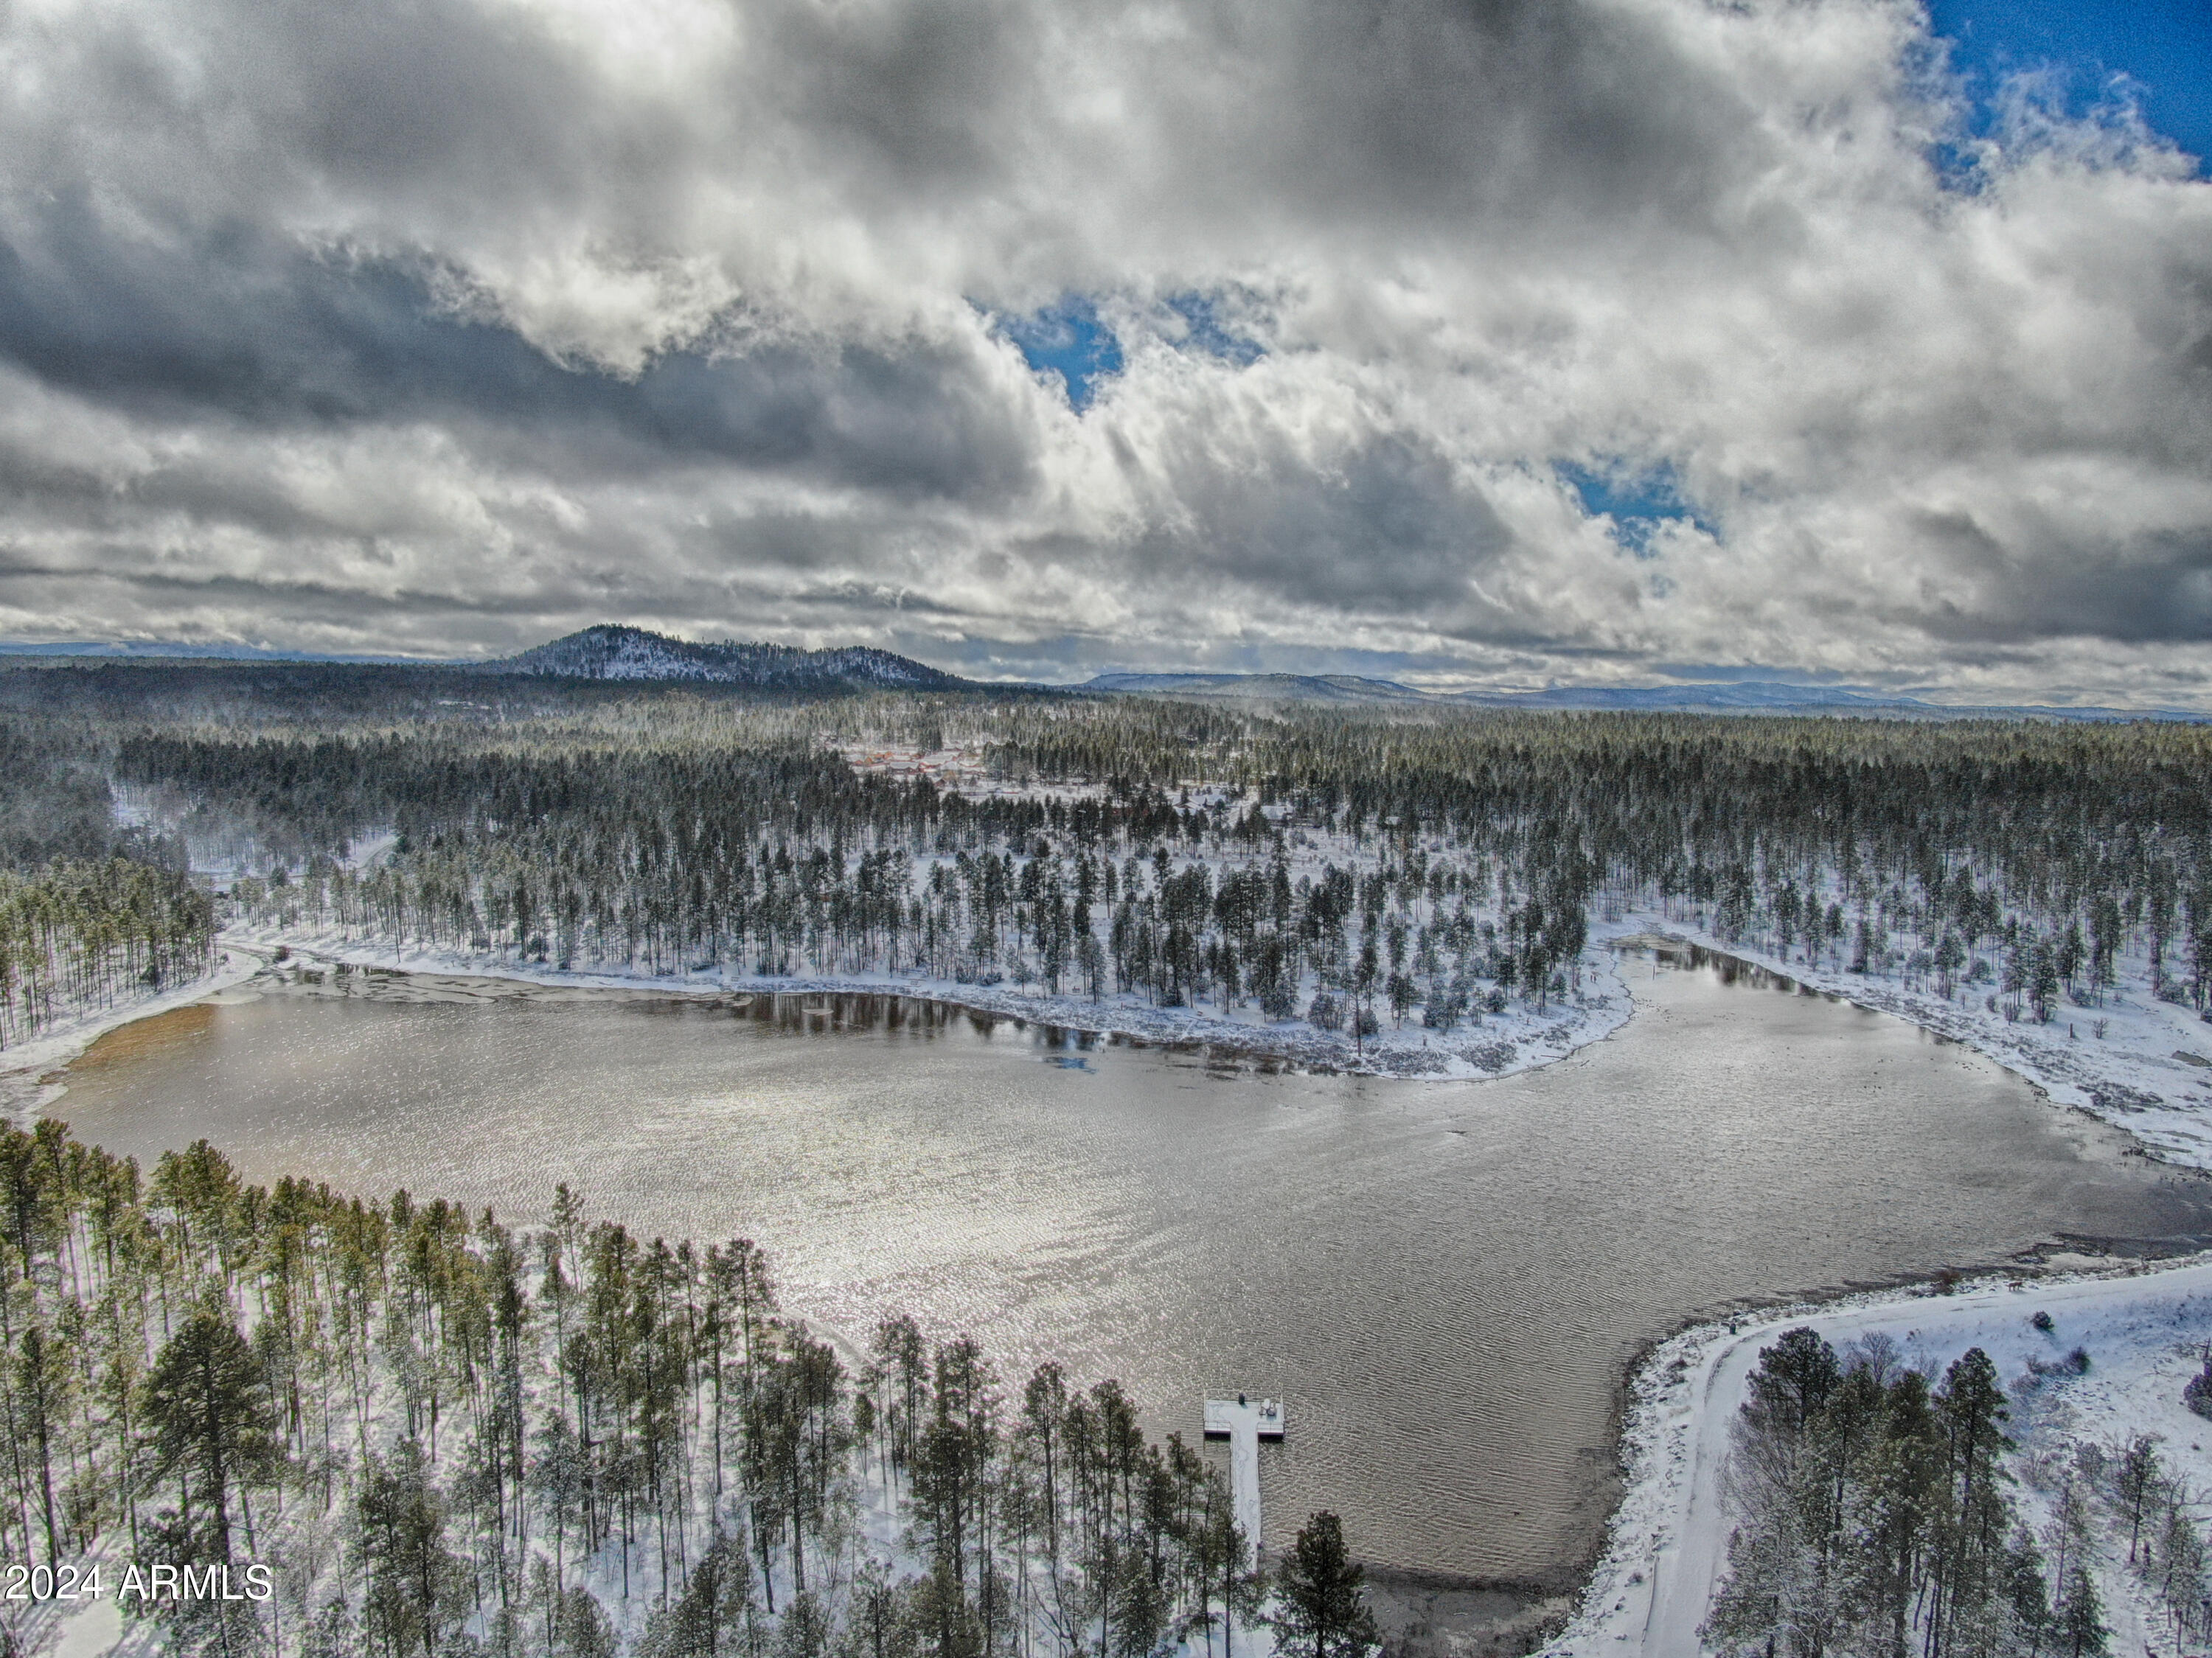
1467,342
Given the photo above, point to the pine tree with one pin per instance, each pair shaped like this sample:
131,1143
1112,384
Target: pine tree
1321,1596
2082,1618
207,1404
2138,1477
415,1588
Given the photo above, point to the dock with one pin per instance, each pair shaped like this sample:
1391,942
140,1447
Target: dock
1245,1422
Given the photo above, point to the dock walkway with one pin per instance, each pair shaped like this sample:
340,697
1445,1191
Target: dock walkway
1244,1425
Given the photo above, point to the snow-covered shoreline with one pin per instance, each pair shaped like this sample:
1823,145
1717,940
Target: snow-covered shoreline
2117,1078
1666,1548
1520,1039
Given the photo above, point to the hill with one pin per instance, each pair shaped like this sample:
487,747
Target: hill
634,654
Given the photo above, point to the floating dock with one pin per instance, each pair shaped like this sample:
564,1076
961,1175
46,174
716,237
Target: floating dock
1245,1422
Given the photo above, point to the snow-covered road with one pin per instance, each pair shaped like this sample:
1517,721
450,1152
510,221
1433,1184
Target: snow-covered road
1668,1545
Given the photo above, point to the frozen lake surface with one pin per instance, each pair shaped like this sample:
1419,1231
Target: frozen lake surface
1443,1281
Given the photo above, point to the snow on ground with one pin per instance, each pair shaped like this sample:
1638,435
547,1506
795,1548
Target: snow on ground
2148,1072
1520,1039
96,1628
1665,1553
877,1532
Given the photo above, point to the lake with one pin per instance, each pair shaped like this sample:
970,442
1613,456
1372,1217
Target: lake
1444,1281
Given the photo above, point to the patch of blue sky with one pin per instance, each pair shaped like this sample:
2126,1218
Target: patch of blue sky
1206,333
2087,56
1067,338
1639,499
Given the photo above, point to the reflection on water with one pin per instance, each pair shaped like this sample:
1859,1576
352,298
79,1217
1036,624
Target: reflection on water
1733,970
1445,1280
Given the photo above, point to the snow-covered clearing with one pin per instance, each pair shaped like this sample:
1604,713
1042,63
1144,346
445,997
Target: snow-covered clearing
962,770
2144,1329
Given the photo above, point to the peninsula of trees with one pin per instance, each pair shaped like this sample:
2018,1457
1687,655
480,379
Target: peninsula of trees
444,1436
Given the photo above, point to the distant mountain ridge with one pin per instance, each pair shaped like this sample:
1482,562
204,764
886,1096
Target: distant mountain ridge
150,650
611,652
1745,694
1286,687
1736,696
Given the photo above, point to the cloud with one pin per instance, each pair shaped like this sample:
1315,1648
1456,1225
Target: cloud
453,325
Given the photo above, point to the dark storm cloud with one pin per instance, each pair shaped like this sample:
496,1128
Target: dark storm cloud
2052,580
1562,112
1361,113
920,98
476,108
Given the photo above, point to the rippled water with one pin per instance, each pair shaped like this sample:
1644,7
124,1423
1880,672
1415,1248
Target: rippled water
1443,1280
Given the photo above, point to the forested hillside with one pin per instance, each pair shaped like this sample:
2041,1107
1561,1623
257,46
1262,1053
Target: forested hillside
633,653
447,1436
78,936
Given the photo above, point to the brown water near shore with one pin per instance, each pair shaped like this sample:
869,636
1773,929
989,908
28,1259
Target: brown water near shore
1445,1280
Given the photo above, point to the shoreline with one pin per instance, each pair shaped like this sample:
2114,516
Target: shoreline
1669,1389
1502,1044
27,1079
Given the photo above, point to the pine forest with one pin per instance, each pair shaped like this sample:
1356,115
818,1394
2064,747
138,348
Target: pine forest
1345,869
